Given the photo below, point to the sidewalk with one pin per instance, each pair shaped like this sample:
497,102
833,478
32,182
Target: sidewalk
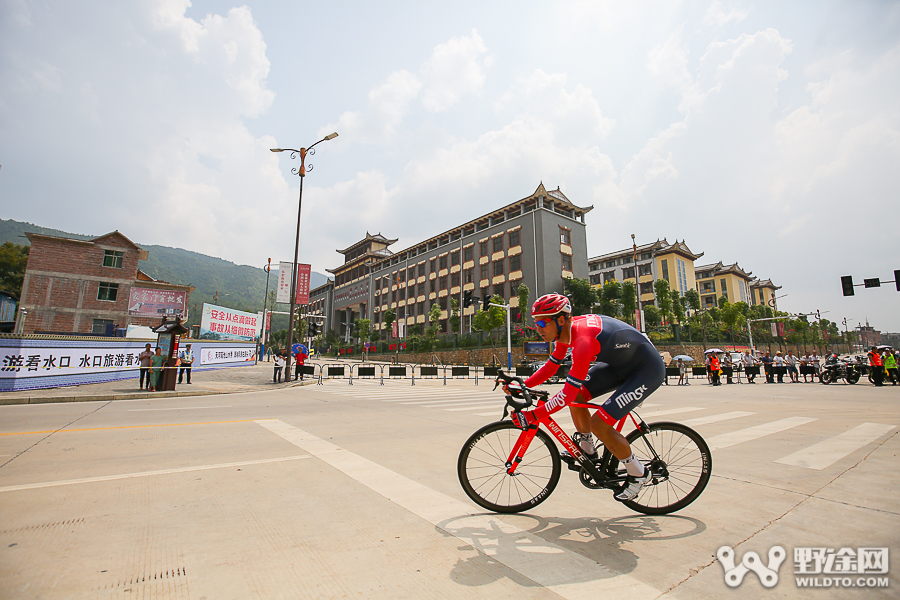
229,380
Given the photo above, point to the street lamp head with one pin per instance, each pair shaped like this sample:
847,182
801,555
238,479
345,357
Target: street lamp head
331,136
276,149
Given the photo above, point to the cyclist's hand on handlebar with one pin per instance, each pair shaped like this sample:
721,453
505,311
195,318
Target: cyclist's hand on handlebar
512,388
524,419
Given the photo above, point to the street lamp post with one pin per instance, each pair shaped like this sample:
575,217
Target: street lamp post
265,338
302,173
637,288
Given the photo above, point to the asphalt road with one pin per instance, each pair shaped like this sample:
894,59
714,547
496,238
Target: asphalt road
340,491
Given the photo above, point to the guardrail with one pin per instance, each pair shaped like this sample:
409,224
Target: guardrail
412,372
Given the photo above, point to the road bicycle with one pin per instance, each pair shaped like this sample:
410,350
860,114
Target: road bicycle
506,469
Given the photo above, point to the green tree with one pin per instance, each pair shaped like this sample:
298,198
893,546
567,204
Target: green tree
389,316
434,317
581,294
361,328
628,301
692,297
13,259
522,292
490,319
663,298
678,306
454,315
651,315
610,294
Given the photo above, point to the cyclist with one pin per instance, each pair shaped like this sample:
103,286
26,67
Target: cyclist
626,362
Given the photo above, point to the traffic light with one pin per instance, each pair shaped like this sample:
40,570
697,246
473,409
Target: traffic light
847,284
467,298
897,279
486,303
873,282
312,330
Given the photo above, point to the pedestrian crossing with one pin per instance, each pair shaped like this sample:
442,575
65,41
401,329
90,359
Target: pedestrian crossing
489,403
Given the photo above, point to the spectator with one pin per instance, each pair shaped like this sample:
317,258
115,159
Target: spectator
682,371
714,367
145,359
749,361
279,364
877,366
185,359
791,362
805,361
766,361
726,362
300,360
814,363
890,364
156,366
778,362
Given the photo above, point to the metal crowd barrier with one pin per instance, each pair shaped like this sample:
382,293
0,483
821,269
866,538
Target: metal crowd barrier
408,371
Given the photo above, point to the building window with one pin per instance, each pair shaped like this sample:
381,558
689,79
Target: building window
483,248
566,262
515,263
645,256
610,264
609,276
469,276
401,276
442,302
377,284
433,265
432,286
113,258
682,276
421,289
498,267
99,326
628,273
498,243
513,238
443,262
421,269
454,258
595,280
108,291
500,290
469,254
454,280
565,236
647,287
443,281
644,269
484,271
665,268
411,273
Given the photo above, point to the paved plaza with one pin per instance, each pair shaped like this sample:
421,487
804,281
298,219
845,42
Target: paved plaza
350,491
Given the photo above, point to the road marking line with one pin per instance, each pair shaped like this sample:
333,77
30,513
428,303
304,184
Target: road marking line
177,408
717,418
34,486
450,402
125,427
505,543
827,452
499,406
671,411
727,440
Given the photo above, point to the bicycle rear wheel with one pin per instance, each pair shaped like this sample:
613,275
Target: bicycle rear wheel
680,473
482,469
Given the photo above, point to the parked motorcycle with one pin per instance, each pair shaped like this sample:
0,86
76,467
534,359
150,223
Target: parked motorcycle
836,368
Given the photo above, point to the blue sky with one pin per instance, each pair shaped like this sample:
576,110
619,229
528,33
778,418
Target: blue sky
763,133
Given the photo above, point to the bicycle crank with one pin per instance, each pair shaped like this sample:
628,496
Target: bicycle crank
588,481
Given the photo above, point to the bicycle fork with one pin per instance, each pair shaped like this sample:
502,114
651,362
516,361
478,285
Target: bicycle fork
519,450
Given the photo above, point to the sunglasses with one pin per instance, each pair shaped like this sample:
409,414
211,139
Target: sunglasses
542,323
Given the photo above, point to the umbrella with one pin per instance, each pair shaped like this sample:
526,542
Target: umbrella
714,350
684,357
884,347
296,348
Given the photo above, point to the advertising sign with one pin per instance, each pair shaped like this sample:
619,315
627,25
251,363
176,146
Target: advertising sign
226,354
537,347
283,295
220,323
303,272
146,302
43,362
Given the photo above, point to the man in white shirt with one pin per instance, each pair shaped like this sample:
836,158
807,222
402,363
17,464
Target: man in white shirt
778,361
792,361
748,361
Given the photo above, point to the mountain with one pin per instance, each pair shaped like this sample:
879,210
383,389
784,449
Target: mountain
241,287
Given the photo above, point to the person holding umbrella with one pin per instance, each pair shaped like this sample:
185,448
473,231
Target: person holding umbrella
682,368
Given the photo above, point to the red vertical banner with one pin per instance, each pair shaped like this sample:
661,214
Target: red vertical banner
781,329
303,272
268,321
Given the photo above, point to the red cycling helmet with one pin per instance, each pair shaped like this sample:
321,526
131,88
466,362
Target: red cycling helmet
550,305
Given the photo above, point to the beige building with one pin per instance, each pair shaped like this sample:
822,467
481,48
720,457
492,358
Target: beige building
673,262
762,291
717,280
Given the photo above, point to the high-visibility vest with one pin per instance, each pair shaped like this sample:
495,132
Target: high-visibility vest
875,359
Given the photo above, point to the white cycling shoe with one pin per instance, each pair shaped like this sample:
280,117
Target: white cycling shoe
633,486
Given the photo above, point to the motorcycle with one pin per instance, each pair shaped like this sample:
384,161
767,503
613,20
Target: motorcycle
836,368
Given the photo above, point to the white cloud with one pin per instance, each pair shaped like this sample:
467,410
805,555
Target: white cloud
718,15
387,107
455,69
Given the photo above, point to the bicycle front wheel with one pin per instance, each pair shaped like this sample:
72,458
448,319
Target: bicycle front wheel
482,469
681,467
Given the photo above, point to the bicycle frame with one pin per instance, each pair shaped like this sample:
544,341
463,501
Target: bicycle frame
598,474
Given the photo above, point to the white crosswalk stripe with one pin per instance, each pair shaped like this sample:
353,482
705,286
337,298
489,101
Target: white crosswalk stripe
726,440
829,451
716,418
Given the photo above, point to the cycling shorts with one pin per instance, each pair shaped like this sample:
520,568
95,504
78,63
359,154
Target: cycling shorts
643,375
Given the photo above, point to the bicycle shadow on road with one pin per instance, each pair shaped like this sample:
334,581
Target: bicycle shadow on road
600,540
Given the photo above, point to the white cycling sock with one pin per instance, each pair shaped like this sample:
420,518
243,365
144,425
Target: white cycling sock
634,467
585,442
